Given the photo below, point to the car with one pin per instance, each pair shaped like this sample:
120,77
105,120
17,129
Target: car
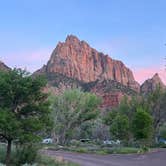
111,142
47,141
162,141
107,142
85,140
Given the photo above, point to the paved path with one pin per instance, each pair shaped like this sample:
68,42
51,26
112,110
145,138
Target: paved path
149,159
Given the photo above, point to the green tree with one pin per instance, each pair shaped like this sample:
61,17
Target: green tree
24,109
121,119
119,128
70,110
162,131
94,129
156,102
126,107
110,116
142,125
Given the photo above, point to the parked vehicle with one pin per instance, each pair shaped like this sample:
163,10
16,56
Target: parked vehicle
162,141
85,140
47,141
111,142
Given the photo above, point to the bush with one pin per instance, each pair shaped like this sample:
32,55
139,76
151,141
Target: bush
22,155
25,155
162,145
75,142
48,161
2,153
144,149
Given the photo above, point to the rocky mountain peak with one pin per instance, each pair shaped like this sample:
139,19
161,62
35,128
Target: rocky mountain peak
70,39
75,64
151,84
3,66
156,77
76,59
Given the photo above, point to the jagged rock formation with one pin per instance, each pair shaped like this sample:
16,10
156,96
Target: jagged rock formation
74,63
76,59
151,84
3,66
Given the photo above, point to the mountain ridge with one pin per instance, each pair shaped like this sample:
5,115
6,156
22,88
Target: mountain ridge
74,64
76,59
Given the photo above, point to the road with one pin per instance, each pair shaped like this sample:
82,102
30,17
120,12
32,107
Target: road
150,159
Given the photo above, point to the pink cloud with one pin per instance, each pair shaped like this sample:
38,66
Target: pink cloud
31,60
143,74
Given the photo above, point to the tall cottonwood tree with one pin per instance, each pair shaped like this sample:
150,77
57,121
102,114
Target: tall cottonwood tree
23,108
142,125
70,110
156,101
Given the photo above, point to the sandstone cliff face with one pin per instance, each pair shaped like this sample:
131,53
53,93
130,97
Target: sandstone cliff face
151,84
76,59
74,64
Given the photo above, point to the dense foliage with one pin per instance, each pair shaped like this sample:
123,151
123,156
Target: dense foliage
24,108
139,119
70,110
142,124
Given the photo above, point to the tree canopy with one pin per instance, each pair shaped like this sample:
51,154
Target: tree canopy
24,108
71,109
142,124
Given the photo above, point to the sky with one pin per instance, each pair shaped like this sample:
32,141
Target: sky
133,31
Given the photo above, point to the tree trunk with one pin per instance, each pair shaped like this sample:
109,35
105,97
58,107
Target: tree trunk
8,152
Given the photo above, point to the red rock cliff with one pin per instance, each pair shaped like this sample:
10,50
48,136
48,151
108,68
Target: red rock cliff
76,59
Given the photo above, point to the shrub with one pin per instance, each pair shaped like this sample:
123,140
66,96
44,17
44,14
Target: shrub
25,155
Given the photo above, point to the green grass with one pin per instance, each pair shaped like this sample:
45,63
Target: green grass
125,150
48,161
96,149
103,151
41,160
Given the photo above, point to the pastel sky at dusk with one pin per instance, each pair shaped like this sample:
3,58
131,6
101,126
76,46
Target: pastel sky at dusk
133,31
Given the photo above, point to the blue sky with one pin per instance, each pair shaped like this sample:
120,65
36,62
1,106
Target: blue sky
133,31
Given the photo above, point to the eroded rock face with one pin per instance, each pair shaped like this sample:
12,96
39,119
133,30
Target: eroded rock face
151,84
112,92
76,59
74,63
